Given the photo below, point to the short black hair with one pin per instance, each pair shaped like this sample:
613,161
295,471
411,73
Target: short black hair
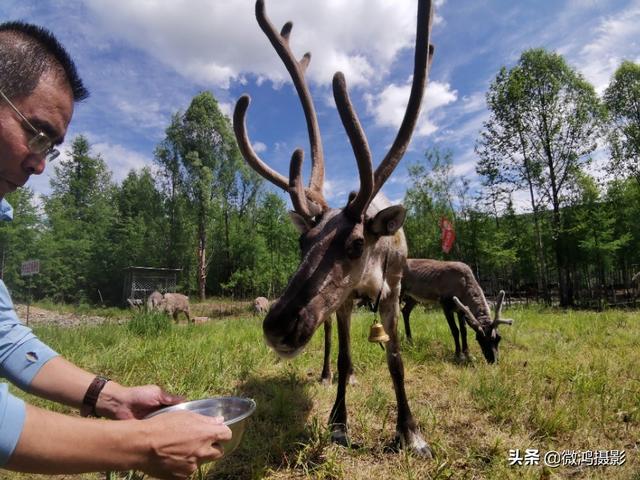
27,52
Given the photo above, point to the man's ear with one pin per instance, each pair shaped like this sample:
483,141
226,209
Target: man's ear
387,221
301,223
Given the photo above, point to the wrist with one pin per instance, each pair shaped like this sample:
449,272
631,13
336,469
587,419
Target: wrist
138,439
111,400
90,400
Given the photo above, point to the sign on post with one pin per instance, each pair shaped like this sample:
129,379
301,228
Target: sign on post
30,267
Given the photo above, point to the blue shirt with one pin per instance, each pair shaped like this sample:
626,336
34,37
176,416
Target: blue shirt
21,357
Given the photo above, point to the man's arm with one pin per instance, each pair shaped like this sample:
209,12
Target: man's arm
63,382
170,446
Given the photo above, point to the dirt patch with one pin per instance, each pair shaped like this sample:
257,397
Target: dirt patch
40,316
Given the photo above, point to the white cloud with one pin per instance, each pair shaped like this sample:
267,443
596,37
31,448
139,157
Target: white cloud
388,107
143,112
259,147
226,108
616,39
120,160
215,42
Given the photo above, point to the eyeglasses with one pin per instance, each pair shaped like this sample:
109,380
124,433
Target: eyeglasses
40,143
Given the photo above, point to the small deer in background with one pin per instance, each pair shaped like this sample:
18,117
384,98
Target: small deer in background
154,300
455,287
260,306
171,303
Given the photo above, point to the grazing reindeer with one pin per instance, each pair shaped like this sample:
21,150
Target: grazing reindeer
260,306
171,303
176,303
154,300
453,284
343,250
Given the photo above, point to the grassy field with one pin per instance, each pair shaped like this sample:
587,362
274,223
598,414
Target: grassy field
566,381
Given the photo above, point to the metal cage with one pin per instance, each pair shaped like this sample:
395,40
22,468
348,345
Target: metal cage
140,282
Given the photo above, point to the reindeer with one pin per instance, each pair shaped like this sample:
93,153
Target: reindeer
175,304
171,303
260,306
343,250
455,287
154,300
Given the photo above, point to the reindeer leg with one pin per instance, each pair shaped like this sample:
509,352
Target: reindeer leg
448,313
463,337
409,304
325,376
407,432
338,417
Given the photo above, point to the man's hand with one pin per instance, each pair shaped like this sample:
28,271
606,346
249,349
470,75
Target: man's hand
180,441
122,403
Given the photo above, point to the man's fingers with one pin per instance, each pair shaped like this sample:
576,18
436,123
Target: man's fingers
170,399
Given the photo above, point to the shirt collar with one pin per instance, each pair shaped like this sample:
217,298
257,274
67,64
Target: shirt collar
6,211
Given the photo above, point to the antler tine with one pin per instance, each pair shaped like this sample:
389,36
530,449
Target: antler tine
503,321
240,129
296,190
423,58
296,70
359,144
471,320
497,320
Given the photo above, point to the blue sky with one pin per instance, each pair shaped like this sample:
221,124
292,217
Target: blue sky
143,60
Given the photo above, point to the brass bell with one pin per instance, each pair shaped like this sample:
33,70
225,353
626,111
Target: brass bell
377,334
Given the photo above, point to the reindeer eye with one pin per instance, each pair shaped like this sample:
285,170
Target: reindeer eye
355,248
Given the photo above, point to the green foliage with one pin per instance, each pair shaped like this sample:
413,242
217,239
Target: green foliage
201,209
428,199
545,119
79,214
202,161
19,241
622,99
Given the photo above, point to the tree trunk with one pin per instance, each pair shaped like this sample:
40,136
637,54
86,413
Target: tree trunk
202,259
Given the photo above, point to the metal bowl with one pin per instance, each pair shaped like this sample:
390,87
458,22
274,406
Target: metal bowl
235,410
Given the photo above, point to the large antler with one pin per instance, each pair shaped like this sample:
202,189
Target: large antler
360,146
370,183
471,319
314,197
422,65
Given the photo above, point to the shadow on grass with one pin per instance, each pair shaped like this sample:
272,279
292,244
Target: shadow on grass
275,433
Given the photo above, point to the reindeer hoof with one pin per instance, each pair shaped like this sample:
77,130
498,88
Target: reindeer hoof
459,358
415,444
423,452
353,380
341,438
326,381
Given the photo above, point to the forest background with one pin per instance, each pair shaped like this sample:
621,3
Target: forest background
202,210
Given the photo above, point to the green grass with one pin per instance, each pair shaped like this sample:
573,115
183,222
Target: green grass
565,381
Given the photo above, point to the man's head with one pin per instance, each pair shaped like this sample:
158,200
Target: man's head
40,84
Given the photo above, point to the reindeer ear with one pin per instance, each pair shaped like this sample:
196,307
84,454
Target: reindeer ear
387,221
301,223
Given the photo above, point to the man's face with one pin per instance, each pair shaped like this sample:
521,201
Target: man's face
49,108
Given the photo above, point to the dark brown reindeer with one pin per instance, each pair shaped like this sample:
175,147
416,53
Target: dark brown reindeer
343,250
455,287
